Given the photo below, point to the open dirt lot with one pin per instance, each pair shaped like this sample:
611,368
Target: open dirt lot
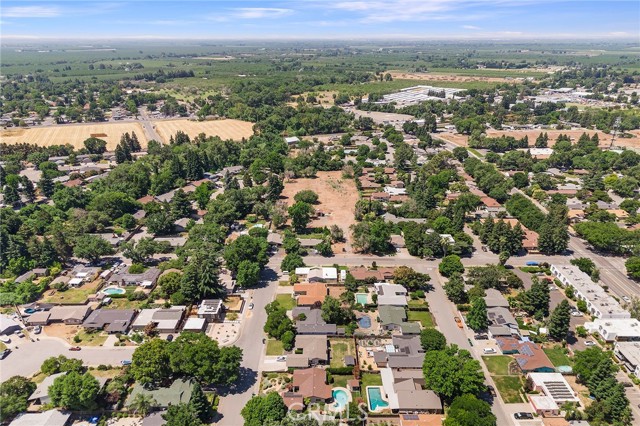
336,199
74,134
225,129
444,77
605,139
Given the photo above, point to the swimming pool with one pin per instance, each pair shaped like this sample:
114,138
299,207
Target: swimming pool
341,399
114,290
364,322
362,298
374,395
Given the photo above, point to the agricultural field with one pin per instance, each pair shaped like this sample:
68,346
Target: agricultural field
605,139
455,77
74,134
336,199
225,129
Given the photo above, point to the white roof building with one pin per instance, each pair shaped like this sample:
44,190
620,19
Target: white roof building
553,385
391,294
318,273
629,354
599,303
619,329
195,324
46,418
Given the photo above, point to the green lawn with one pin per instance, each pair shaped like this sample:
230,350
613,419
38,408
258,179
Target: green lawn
558,356
340,380
369,379
274,347
70,296
498,364
340,348
509,388
417,303
91,339
424,317
286,301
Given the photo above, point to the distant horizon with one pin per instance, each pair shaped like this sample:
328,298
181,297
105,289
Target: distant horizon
420,20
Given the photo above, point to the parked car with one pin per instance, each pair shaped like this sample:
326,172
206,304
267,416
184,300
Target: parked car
75,348
523,416
552,287
470,342
481,336
19,333
626,299
170,338
576,313
125,362
4,353
489,351
458,322
5,339
251,305
37,329
532,263
492,390
589,343
281,358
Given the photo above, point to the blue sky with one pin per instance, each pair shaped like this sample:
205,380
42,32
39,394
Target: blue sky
317,19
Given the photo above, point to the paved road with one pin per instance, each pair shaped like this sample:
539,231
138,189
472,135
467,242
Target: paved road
27,359
250,341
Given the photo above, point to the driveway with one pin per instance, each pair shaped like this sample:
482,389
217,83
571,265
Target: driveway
29,356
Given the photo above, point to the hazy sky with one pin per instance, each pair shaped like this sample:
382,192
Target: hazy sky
486,19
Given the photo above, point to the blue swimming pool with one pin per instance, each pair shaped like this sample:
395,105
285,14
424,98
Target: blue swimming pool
364,322
374,395
114,290
362,298
340,398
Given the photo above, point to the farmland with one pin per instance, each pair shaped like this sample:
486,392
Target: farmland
225,129
74,134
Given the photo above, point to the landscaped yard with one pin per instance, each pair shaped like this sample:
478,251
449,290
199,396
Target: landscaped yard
369,379
424,317
286,301
498,364
274,347
558,356
90,339
341,380
509,388
71,296
340,348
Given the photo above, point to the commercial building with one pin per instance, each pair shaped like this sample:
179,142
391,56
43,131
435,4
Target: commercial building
629,354
620,330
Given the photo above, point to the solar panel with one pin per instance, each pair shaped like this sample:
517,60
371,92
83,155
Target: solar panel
526,350
411,417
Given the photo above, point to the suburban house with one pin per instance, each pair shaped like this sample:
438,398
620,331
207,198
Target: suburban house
70,315
32,274
309,350
110,320
8,325
494,299
405,393
362,274
394,318
310,294
195,325
391,294
167,320
620,330
309,321
532,359
147,279
629,354
318,274
552,385
311,384
178,393
211,310
40,396
544,405
45,418
405,352
83,274
502,322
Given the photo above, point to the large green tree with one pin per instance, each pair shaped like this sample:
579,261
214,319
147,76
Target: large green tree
450,265
432,340
248,274
264,410
560,321
477,317
452,372
181,415
300,213
91,247
468,410
74,391
13,396
150,362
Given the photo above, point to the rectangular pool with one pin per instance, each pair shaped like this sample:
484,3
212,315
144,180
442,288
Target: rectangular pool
362,298
374,395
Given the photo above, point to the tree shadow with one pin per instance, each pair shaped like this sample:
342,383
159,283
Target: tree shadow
247,378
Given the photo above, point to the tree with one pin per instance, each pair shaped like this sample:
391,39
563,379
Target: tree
633,267
13,396
200,278
432,340
180,205
95,145
467,410
586,362
150,362
74,391
200,405
306,196
560,321
477,317
337,234
142,404
46,186
262,410
248,274
410,279
202,195
142,250
61,363
585,264
450,265
452,372
324,248
275,188
246,247
454,289
371,237
300,213
334,313
292,261
504,257
194,169
181,415
160,223
535,301
278,323
91,247
288,339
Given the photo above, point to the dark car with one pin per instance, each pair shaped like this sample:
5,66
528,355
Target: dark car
491,390
481,337
75,348
523,416
170,338
4,353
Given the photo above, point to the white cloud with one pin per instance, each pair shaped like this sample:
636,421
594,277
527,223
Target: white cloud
260,12
31,12
470,27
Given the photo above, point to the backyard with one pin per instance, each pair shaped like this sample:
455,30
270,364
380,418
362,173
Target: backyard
369,379
339,349
286,301
72,296
558,356
425,318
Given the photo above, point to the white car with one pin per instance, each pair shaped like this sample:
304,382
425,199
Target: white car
576,314
589,343
626,299
5,339
281,358
489,351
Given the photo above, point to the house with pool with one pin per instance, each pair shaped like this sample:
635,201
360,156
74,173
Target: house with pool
402,391
310,385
